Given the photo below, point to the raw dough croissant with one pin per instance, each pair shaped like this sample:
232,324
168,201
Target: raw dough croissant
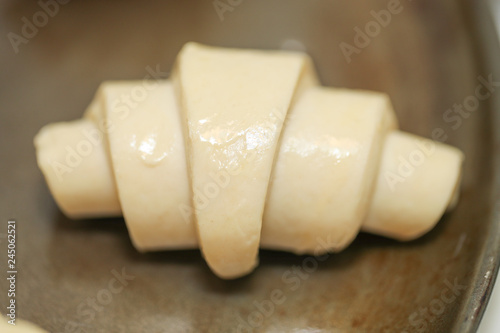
241,149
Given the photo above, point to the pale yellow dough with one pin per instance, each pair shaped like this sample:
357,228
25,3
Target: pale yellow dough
234,103
326,167
419,180
83,185
147,148
243,149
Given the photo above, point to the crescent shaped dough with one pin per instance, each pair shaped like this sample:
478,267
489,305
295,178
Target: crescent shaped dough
243,149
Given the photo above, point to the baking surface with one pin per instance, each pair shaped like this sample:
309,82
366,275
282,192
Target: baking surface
426,59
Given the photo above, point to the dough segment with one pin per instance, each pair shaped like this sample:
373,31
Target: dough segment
418,182
146,148
83,185
235,103
325,172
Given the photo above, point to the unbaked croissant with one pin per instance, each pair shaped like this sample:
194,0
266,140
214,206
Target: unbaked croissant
241,149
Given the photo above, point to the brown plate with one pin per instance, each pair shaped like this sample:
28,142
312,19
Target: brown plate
428,58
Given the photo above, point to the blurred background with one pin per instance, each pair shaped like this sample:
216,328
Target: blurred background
427,55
